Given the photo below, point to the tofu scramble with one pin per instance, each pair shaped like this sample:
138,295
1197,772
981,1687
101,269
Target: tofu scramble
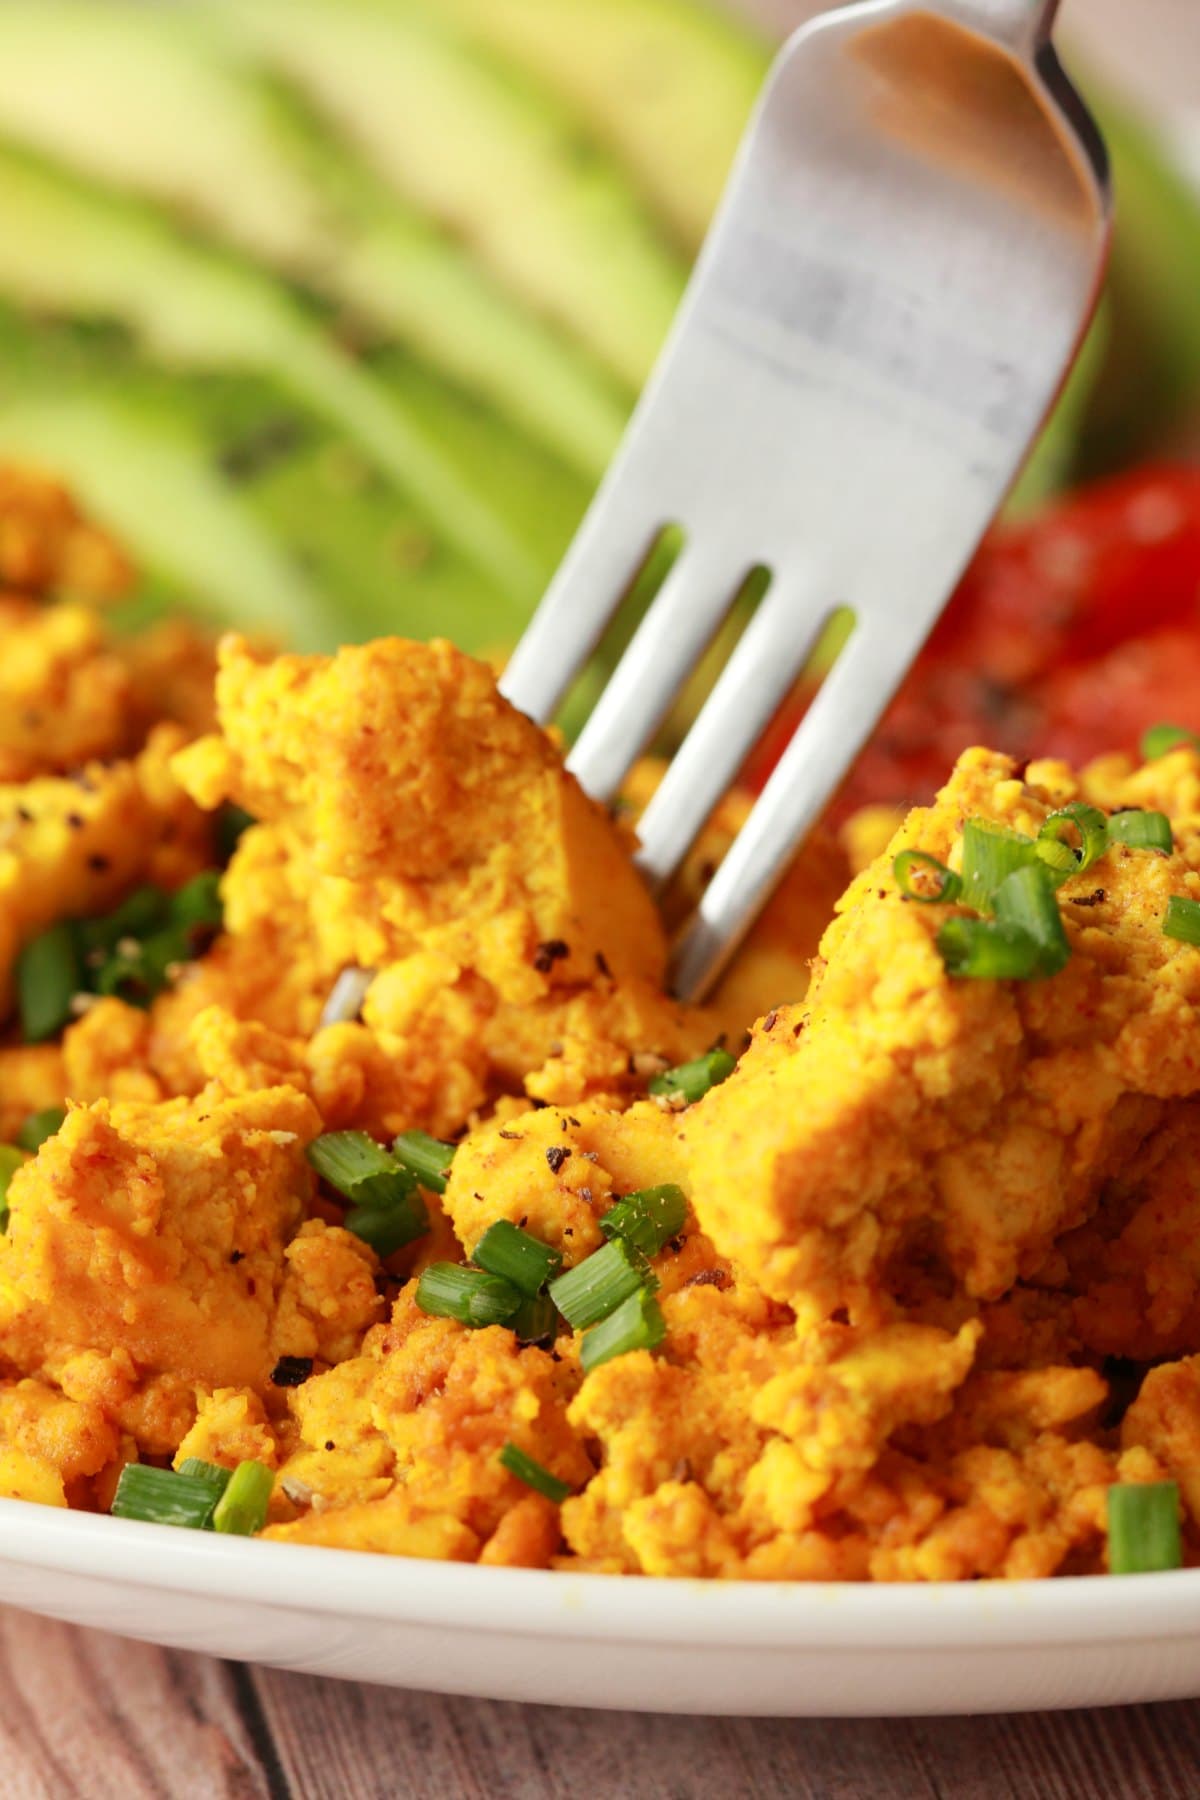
902,1296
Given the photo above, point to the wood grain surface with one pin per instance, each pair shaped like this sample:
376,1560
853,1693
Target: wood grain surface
84,1714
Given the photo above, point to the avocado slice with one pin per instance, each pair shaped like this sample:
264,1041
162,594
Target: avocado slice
492,160
666,85
179,117
70,250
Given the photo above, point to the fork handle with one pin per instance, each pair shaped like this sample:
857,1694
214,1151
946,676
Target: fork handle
1021,24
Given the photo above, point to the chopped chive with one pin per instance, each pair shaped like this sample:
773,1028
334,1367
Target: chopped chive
198,901
1143,1527
472,1296
990,854
242,1508
504,1249
535,1321
533,1474
161,1497
1091,826
231,822
11,1160
1026,901
985,950
648,1219
1142,831
194,1468
39,1126
426,1158
360,1169
139,969
596,1286
1182,920
387,1228
692,1080
637,1324
922,877
140,913
1160,738
49,975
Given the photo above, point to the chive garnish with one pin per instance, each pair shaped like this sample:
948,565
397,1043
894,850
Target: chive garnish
985,950
389,1228
360,1169
1160,738
597,1286
49,975
1053,841
526,1469
648,1219
242,1508
426,1158
922,877
198,902
10,1161
161,1497
535,1321
472,1296
637,1324
194,1468
1143,1528
1142,830
506,1250
692,1080
990,854
1025,901
140,913
1182,920
39,1126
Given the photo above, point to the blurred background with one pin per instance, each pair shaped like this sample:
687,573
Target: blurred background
334,309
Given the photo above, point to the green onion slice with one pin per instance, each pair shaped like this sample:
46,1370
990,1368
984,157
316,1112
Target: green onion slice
1182,920
11,1160
526,1469
140,913
535,1321
39,1126
1026,901
506,1250
692,1080
49,975
360,1169
472,1296
597,1286
1142,831
922,877
985,950
1143,1527
1052,842
388,1228
648,1219
990,854
1160,738
637,1324
194,1468
242,1508
426,1158
198,902
161,1497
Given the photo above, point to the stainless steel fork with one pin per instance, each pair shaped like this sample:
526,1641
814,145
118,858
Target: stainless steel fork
898,277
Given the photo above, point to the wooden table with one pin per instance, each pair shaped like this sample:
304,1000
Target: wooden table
84,1714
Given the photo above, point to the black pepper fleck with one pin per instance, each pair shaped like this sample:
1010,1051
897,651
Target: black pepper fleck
292,1371
236,1256
602,964
709,1278
556,1156
769,1021
547,954
75,821
99,863
329,1444
514,1137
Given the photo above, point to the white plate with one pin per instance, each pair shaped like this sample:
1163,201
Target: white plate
610,1641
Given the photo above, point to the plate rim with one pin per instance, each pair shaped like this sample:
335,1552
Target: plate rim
684,1612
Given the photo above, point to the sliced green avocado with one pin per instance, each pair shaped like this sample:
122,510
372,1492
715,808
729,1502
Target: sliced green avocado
492,160
71,250
667,85
179,117
233,500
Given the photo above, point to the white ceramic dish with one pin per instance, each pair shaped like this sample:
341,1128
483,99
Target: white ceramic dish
604,1641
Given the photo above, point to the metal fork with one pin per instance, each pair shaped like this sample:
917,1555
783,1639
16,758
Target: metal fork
896,282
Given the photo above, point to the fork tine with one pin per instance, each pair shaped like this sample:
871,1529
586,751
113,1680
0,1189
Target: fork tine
597,571
834,729
667,645
757,678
